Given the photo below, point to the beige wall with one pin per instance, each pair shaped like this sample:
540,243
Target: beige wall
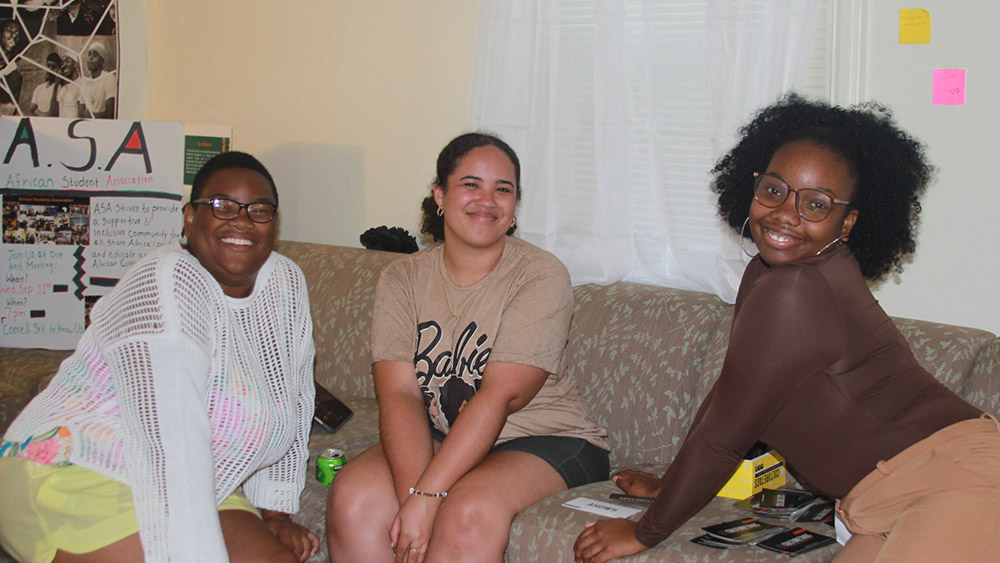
956,270
347,102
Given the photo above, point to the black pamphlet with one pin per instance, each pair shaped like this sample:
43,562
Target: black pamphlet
708,541
795,541
745,530
819,512
782,504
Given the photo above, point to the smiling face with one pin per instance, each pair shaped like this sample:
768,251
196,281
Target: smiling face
780,233
232,251
479,199
68,68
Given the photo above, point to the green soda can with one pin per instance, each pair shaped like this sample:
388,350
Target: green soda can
328,463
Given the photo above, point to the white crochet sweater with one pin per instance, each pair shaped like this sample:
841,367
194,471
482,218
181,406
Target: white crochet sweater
185,394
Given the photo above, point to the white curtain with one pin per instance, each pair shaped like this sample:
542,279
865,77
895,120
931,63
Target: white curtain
618,109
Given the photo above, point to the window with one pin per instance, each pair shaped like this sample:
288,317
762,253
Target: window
620,108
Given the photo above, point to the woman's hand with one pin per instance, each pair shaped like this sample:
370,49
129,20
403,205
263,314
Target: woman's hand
606,540
411,529
300,541
638,483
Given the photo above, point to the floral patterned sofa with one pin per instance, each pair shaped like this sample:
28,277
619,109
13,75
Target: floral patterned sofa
644,357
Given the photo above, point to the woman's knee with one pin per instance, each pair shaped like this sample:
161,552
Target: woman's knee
359,496
350,496
473,521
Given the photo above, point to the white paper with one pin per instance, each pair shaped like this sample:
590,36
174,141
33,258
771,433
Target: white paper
843,534
601,508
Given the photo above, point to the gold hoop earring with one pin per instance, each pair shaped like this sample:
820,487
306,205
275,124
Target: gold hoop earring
440,212
513,223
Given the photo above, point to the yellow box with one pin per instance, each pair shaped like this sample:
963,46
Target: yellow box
763,472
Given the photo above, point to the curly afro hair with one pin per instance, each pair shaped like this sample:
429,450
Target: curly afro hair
448,160
890,166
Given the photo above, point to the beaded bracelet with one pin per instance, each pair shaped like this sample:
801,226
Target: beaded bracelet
442,494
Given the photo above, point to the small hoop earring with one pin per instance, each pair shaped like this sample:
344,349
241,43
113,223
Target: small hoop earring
742,238
833,243
440,212
183,240
513,223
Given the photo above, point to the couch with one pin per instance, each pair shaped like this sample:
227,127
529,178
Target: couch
643,356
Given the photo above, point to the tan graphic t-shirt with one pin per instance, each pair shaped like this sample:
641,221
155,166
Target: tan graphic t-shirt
519,313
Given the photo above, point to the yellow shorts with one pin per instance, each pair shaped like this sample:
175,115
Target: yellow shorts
47,508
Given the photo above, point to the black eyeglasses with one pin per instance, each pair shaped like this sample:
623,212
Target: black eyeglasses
227,209
811,204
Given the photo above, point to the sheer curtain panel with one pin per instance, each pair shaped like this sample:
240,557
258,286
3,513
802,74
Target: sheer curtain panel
619,109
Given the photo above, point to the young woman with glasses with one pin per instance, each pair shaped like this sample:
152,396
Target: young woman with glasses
477,417
814,367
177,430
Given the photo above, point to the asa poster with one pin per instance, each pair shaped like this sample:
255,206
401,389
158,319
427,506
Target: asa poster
83,200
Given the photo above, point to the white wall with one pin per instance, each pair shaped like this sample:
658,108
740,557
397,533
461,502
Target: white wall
954,276
347,102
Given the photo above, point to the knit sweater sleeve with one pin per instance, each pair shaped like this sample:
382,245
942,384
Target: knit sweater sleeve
278,486
157,331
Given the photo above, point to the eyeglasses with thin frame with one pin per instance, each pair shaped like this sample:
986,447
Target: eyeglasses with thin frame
811,204
227,209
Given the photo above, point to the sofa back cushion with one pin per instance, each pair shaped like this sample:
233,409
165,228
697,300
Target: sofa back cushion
948,352
341,284
983,388
636,351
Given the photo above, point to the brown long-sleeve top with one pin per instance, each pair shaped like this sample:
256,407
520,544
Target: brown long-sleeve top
816,370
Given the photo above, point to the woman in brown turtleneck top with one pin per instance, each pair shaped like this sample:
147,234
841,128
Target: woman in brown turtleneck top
815,368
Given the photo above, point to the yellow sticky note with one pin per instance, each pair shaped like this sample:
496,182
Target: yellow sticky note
914,27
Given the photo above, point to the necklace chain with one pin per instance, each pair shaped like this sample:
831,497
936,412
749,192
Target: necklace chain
472,299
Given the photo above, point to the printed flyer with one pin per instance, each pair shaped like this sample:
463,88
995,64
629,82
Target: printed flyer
83,200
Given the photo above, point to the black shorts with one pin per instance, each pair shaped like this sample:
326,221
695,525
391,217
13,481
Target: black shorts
578,461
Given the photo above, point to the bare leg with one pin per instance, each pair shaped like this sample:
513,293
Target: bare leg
473,523
127,549
360,509
247,540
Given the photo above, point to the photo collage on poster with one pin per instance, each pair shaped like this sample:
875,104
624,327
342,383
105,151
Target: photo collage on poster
46,220
59,58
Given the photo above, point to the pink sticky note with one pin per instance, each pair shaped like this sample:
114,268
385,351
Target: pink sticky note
949,87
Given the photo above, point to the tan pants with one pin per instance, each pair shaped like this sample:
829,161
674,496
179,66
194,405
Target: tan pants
938,500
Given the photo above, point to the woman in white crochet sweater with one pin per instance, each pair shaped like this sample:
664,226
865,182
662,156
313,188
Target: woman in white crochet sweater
187,403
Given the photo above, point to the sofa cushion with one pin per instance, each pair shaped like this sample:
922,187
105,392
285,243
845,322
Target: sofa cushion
355,436
983,388
948,352
547,530
341,283
21,372
636,352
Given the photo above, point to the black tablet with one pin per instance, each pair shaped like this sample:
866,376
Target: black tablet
330,414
